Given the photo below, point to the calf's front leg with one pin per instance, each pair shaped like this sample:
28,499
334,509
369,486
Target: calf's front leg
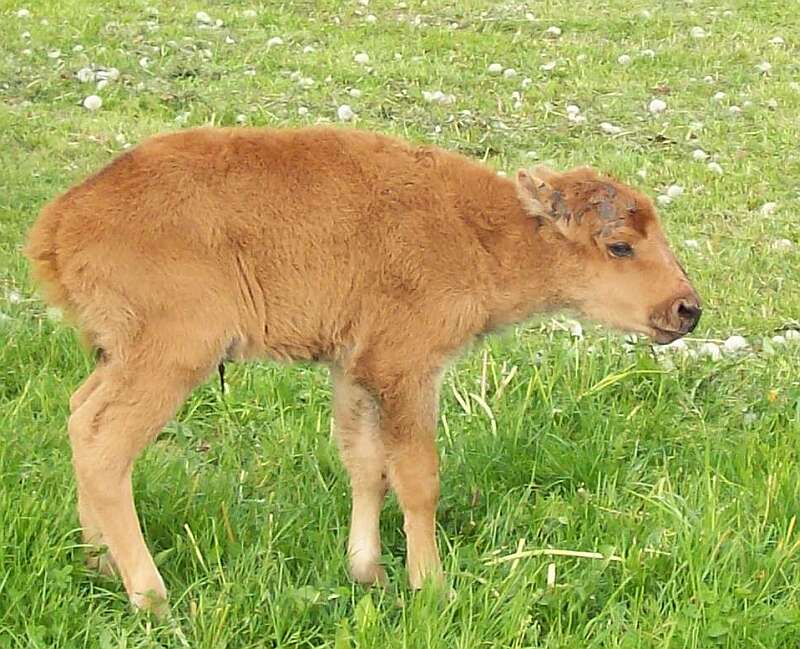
356,425
409,432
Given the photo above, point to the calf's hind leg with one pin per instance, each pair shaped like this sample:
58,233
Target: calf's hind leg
131,402
92,536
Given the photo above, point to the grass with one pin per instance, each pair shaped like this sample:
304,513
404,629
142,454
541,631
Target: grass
686,469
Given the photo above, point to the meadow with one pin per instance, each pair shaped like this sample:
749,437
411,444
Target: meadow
596,491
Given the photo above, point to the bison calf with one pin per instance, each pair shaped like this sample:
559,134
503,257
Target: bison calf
378,257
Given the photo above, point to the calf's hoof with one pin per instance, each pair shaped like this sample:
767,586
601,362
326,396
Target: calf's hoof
148,593
151,602
368,573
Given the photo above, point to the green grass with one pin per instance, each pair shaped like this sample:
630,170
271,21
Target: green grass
686,470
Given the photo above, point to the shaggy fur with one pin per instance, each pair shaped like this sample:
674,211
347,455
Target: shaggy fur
378,257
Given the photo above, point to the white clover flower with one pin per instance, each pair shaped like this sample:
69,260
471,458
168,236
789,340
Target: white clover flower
663,199
657,106
673,191
699,154
438,97
371,19
203,18
509,73
624,59
768,208
495,68
715,167
764,67
719,96
85,75
553,31
610,128
711,350
678,345
92,102
345,113
275,41
23,13
735,344
792,335
782,245
111,74
526,82
697,32
777,41
691,243
302,111
362,58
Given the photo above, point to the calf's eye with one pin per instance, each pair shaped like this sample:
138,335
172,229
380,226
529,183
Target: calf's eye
620,250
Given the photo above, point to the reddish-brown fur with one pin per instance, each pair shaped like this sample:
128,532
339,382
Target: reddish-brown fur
380,258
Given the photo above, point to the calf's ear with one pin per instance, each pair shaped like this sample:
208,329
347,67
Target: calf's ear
535,193
539,197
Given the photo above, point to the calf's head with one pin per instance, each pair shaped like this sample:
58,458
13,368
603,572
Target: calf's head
627,277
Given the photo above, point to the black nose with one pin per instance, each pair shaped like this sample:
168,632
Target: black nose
688,312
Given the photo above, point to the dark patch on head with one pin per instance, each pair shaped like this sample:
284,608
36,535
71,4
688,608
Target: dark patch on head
611,191
582,192
559,206
606,211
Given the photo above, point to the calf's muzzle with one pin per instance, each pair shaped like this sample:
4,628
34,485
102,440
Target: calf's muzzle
686,312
